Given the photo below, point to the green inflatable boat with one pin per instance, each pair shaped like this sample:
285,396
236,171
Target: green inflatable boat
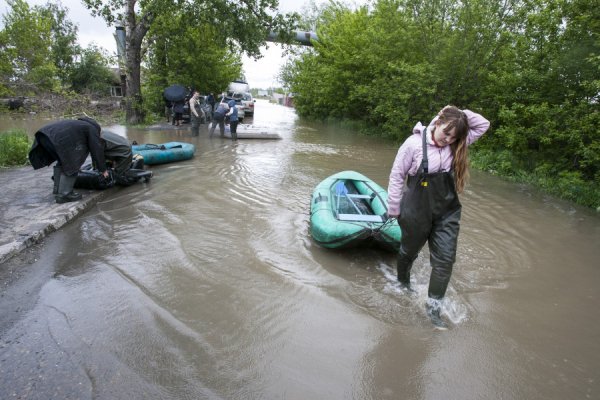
348,209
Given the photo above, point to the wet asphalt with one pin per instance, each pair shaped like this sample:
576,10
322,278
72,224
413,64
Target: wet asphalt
28,211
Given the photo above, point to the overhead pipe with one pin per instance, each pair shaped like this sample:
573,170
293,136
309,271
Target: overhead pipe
120,39
121,46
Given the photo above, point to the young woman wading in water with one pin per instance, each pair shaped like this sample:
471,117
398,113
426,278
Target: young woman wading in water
434,164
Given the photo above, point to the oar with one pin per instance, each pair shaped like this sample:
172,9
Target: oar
340,189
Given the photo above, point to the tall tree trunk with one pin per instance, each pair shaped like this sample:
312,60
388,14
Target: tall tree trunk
135,32
134,112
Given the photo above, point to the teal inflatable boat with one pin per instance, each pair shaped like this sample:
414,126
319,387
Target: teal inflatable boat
348,209
165,152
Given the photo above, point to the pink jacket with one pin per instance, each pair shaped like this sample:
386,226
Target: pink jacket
410,155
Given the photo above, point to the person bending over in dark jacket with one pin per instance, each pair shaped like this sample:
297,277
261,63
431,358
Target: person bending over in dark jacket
68,142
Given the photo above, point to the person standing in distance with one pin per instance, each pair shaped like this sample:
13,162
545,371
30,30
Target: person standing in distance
233,119
178,109
219,118
196,113
68,142
434,163
210,99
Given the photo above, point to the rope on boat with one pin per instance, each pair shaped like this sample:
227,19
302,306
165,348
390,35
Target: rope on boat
388,221
374,232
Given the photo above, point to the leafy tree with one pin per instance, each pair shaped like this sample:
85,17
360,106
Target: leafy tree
530,66
27,43
6,66
92,74
64,47
182,53
242,25
549,117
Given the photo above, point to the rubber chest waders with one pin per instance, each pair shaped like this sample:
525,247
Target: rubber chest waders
429,212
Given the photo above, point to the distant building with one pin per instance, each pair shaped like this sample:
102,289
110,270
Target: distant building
278,98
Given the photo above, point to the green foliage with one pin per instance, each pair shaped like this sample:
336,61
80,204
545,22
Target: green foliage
92,74
530,66
38,46
14,148
6,69
242,26
180,52
27,41
569,185
64,47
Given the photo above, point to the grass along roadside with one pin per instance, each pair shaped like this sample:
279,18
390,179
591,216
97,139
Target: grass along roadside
14,148
566,185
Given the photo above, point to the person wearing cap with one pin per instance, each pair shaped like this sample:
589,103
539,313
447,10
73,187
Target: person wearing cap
233,119
68,142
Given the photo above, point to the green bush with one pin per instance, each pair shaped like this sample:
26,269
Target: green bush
14,147
398,62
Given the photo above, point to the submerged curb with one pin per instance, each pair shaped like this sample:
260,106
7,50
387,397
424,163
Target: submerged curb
29,212
32,233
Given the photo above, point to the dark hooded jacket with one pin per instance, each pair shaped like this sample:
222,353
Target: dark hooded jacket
73,140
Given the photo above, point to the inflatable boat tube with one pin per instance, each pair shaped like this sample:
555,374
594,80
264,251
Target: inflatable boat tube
165,152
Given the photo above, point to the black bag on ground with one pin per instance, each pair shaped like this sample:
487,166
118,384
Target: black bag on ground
88,178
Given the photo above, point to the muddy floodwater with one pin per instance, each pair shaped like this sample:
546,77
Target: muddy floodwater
205,284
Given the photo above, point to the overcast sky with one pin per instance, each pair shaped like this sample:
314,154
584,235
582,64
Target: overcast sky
260,73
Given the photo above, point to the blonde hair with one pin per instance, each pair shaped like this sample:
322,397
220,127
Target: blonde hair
456,119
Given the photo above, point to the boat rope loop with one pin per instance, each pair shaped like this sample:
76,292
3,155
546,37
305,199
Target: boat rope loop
151,146
155,146
352,236
379,232
365,232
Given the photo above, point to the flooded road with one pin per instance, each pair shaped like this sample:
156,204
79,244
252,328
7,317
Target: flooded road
205,284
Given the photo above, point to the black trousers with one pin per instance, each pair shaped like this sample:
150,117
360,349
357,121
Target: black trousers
233,128
220,120
430,212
